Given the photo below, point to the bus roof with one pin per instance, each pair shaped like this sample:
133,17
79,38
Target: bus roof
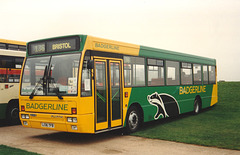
136,50
100,44
175,56
12,42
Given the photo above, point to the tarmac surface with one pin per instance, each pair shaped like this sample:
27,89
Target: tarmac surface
61,143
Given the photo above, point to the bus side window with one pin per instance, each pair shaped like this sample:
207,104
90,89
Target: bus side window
172,72
205,74
86,88
134,71
186,74
155,72
212,74
197,74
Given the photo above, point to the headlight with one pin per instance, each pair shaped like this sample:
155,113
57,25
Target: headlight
72,119
27,116
69,119
24,116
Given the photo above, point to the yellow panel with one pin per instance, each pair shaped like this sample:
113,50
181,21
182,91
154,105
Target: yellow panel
214,95
12,42
126,102
58,126
98,44
100,126
116,123
49,104
86,123
86,105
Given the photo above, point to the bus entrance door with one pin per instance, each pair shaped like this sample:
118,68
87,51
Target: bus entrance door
108,93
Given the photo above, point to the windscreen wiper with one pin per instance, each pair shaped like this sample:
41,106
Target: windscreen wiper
42,81
56,89
58,93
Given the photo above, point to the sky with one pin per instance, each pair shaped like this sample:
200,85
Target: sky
209,28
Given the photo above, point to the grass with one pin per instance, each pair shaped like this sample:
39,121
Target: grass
218,126
5,150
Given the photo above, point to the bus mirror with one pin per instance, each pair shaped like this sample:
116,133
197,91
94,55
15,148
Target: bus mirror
90,64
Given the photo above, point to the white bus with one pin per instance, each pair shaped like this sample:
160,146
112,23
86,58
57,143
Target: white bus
12,54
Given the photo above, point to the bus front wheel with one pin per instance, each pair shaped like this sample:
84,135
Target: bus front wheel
13,113
133,120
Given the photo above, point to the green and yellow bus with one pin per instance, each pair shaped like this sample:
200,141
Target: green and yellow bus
12,54
86,84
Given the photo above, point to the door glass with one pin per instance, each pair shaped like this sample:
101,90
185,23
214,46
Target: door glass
115,88
101,91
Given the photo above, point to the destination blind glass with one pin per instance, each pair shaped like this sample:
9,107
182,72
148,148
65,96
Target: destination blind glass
57,45
37,48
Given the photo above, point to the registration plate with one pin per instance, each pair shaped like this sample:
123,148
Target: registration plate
48,125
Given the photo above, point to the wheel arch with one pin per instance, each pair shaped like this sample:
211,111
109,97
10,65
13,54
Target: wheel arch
12,101
140,110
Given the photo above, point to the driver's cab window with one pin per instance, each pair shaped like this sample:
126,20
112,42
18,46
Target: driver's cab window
86,87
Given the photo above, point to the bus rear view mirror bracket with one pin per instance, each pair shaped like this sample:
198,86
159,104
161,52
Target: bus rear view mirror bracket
90,64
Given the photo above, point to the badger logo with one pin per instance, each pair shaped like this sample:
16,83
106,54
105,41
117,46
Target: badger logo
166,104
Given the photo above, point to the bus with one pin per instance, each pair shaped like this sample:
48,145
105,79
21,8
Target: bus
85,84
12,54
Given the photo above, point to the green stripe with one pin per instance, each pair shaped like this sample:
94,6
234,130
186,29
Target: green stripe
185,101
101,97
171,55
115,95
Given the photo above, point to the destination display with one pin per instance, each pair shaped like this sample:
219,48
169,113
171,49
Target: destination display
56,45
37,48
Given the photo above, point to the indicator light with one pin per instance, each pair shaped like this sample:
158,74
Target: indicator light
74,110
22,108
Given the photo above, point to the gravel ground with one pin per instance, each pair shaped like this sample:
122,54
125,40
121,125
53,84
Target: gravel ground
52,142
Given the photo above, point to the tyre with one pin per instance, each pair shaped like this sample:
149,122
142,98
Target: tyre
133,120
13,113
196,106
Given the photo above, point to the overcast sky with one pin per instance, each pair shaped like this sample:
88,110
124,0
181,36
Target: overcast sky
209,28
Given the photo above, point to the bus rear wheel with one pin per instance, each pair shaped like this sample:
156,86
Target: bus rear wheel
196,106
132,120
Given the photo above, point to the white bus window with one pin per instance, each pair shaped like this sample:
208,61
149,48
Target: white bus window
205,74
155,72
212,74
172,71
134,71
197,74
186,74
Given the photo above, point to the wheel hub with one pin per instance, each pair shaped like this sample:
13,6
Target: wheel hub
14,113
133,120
